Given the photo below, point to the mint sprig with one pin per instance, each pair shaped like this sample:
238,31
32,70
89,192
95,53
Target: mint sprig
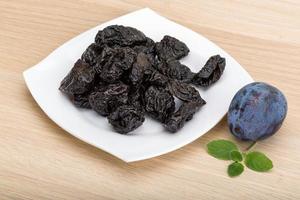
227,150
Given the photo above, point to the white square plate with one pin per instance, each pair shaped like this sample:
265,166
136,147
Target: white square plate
150,139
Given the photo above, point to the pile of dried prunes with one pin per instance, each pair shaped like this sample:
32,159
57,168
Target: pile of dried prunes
125,75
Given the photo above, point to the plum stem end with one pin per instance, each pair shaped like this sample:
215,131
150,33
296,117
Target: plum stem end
253,143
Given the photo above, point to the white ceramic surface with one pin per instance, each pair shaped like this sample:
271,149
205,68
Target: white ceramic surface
150,139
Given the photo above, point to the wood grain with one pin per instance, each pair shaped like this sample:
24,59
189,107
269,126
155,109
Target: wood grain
38,160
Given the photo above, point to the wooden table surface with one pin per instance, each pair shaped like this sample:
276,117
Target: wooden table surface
39,160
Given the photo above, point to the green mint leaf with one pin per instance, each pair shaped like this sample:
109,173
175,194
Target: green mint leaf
236,156
235,169
258,161
221,149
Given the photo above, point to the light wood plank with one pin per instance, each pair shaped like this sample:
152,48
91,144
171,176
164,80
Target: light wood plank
38,160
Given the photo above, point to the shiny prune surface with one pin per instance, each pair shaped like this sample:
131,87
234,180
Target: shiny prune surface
92,53
159,103
108,98
182,115
211,72
120,35
115,63
126,118
79,80
185,92
175,70
142,63
171,48
81,100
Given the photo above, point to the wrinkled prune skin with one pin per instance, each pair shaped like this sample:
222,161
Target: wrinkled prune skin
182,115
108,98
142,71
175,70
111,73
158,79
148,47
211,72
136,75
159,103
171,48
126,118
114,62
137,72
92,54
79,80
127,58
120,35
136,99
106,55
81,100
185,92
256,112
148,73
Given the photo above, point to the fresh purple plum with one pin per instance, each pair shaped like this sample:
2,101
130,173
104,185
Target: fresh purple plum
256,111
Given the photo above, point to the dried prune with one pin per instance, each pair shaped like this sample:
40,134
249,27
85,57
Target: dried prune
142,71
211,72
115,62
158,79
125,75
106,54
111,73
108,98
128,57
81,100
185,92
136,74
175,70
182,115
126,118
171,48
138,68
148,47
136,99
120,35
148,73
159,103
91,54
79,80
